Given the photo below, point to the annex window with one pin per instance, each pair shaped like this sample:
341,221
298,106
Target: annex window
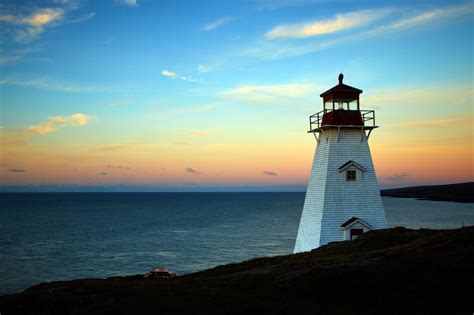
351,175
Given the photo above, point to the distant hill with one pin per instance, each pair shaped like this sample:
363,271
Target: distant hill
392,271
463,192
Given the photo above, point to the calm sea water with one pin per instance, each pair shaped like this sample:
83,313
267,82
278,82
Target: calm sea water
61,236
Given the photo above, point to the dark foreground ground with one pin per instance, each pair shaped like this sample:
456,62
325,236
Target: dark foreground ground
463,192
393,271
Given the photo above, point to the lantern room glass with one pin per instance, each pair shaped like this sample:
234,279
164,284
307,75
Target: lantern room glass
340,104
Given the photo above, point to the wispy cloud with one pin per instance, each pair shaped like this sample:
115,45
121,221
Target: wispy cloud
39,18
270,49
459,95
113,147
16,55
45,84
206,68
108,41
56,123
168,73
16,170
269,173
34,24
43,17
430,16
103,173
397,177
27,24
68,4
118,167
130,3
217,23
126,146
274,51
10,59
82,18
174,75
336,24
190,79
191,171
53,124
415,20
270,94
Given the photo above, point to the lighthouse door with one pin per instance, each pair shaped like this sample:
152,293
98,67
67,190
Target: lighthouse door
355,233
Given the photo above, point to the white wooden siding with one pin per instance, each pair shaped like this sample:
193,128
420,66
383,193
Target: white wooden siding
330,199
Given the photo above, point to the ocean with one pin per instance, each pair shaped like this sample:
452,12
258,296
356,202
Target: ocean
62,236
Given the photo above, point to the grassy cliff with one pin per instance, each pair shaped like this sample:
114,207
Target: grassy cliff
393,271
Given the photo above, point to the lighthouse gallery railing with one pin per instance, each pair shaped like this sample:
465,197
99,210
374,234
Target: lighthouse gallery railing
316,120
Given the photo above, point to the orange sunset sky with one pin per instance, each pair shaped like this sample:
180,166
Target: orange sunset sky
203,96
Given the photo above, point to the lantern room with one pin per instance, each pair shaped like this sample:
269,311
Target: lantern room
341,97
341,108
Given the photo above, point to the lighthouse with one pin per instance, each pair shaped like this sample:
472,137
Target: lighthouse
343,197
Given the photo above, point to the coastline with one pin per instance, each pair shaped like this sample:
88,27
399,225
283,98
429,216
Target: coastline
462,192
434,198
385,271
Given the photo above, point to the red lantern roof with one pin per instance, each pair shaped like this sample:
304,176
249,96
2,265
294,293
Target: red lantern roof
341,92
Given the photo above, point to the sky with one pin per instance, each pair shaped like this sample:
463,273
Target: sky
142,95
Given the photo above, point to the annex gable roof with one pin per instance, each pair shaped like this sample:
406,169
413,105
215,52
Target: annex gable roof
350,163
353,221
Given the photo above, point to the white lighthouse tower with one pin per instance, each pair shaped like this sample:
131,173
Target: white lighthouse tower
343,197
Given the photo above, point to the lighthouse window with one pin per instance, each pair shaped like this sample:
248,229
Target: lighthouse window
351,175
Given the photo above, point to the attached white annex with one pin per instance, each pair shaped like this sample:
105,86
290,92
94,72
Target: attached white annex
343,197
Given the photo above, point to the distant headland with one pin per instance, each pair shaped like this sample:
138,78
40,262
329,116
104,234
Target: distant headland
462,192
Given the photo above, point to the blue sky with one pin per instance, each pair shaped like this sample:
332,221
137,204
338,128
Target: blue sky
158,87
